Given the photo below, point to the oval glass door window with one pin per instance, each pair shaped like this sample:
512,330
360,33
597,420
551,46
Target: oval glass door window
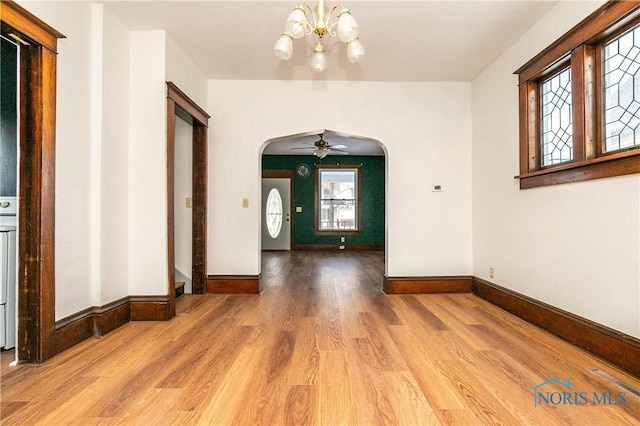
274,213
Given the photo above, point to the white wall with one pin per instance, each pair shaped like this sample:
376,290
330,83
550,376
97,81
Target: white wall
147,164
426,128
154,59
112,158
73,133
574,246
183,72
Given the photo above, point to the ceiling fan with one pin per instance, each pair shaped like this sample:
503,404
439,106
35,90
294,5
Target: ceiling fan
321,148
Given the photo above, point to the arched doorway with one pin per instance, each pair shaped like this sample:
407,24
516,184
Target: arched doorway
317,159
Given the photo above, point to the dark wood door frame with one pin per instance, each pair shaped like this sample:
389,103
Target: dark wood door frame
178,103
36,207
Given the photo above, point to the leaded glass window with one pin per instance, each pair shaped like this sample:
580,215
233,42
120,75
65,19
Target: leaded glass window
622,91
274,213
556,130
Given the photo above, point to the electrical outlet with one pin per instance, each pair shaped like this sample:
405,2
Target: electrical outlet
341,247
245,203
491,272
189,202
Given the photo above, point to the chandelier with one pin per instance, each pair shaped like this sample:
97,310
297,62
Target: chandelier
298,26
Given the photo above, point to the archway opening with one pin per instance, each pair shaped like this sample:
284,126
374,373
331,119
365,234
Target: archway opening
338,185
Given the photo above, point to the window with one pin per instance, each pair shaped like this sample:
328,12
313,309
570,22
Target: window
557,136
338,199
580,102
273,212
622,91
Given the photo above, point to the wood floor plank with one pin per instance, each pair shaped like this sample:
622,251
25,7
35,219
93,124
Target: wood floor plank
321,346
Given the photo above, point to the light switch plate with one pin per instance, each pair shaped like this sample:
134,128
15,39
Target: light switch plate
245,203
298,209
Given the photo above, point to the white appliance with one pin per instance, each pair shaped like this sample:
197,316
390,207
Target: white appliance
7,272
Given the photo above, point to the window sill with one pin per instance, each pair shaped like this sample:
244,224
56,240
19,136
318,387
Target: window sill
618,164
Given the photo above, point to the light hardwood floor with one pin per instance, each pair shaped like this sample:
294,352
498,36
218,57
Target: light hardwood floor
322,345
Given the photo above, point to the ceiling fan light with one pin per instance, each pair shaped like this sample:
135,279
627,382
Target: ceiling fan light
296,23
348,29
355,51
320,153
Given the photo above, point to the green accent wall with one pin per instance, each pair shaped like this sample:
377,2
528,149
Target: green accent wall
372,197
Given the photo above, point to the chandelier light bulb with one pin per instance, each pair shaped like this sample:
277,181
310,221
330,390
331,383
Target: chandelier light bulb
355,51
347,27
284,47
296,23
319,59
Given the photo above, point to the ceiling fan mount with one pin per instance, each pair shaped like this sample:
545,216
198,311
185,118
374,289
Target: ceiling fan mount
321,148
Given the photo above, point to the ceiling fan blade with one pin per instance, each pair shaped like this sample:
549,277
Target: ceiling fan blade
340,146
304,147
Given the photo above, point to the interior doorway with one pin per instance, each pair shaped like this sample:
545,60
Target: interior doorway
301,156
181,107
36,170
183,204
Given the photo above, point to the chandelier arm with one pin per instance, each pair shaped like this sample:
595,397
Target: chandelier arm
313,15
333,25
331,29
334,8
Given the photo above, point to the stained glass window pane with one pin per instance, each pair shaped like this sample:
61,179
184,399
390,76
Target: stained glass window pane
556,131
622,91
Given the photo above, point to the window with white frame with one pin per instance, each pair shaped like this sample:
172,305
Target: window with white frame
337,199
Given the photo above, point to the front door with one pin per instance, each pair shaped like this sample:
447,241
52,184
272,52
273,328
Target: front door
276,214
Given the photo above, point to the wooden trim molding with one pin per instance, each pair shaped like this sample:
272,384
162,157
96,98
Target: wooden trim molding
187,104
619,164
336,247
234,284
149,308
36,235
178,103
425,285
613,346
28,25
93,321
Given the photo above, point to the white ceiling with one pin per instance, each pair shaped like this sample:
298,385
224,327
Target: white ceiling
405,41
356,145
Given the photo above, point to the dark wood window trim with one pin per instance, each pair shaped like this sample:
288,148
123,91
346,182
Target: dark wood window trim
358,229
580,48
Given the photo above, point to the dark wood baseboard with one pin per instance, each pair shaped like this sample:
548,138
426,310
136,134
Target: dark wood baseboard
93,321
613,346
149,308
336,247
416,285
234,284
